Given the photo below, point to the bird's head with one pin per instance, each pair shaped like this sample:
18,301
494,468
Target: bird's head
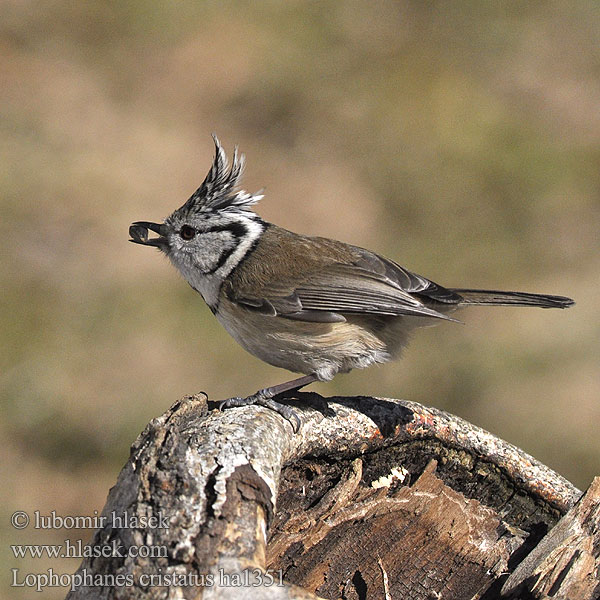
214,229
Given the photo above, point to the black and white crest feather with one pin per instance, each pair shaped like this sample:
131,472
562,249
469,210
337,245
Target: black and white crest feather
220,190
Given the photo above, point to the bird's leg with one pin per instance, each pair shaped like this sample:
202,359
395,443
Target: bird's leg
265,397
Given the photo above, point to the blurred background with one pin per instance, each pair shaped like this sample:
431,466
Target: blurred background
460,139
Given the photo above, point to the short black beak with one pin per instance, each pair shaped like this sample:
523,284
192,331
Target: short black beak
139,234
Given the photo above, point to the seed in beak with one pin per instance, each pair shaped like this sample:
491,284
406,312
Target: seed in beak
138,233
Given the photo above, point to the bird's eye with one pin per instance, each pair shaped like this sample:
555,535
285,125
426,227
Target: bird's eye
187,232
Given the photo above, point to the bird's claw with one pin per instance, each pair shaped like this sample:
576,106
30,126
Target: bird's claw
261,399
235,402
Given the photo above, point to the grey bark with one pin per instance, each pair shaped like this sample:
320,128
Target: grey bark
373,498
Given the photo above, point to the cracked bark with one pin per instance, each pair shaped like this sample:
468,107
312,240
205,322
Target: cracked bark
373,498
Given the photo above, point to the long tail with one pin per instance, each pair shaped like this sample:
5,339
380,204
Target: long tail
513,298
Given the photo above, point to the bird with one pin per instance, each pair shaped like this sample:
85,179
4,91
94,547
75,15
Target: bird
312,305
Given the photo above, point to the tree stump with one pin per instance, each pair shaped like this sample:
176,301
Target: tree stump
373,498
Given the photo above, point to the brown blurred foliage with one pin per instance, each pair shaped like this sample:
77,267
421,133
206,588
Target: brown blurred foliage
460,139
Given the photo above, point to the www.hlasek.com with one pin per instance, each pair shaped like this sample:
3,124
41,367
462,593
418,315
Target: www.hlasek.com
78,549
83,578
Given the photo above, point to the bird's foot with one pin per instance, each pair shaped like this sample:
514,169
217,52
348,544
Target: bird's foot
265,398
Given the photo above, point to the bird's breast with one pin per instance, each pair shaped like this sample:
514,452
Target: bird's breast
304,347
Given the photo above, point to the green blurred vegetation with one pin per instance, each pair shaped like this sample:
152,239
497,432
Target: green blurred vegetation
461,139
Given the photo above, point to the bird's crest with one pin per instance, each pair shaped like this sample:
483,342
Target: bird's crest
220,190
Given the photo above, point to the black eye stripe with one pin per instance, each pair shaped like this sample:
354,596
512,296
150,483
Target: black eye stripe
238,230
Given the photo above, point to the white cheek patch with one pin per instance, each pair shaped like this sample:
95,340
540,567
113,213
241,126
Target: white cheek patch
213,254
212,250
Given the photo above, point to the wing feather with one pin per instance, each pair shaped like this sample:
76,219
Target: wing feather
339,280
345,289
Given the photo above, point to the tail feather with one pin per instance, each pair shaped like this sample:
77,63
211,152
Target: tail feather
512,298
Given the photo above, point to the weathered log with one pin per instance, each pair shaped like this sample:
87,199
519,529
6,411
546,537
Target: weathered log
566,563
373,498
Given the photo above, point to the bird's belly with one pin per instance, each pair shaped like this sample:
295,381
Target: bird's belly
304,347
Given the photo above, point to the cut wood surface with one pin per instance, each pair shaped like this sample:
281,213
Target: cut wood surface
373,498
